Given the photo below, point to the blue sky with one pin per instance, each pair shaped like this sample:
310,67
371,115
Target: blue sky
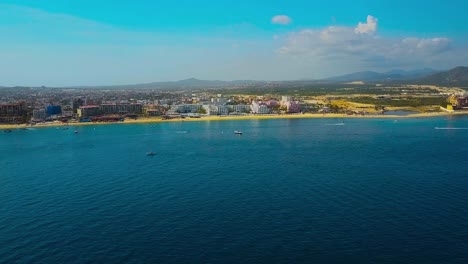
84,42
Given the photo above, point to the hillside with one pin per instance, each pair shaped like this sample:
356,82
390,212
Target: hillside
455,77
369,76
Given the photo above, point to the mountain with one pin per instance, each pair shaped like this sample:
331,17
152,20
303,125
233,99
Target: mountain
455,77
182,84
368,76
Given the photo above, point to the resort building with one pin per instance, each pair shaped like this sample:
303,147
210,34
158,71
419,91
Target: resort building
88,111
239,108
77,102
121,108
53,110
291,106
39,115
211,109
187,108
259,108
12,112
459,101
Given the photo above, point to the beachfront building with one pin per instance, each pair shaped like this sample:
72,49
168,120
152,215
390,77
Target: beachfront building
216,109
52,110
12,112
154,112
77,102
291,105
121,108
459,101
239,108
187,108
211,109
88,111
223,110
259,108
39,115
67,113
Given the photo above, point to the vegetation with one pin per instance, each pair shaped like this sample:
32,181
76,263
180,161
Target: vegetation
410,101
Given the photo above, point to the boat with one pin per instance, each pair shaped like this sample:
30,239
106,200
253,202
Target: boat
76,131
151,153
238,132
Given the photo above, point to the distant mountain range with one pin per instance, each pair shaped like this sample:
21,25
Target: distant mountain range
455,77
371,76
186,83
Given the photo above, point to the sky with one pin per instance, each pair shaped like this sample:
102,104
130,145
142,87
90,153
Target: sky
88,42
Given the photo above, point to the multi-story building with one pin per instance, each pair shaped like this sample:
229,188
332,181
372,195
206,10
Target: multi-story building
88,111
291,106
12,112
239,108
459,101
259,108
53,110
188,108
223,110
77,102
39,114
67,113
211,109
218,101
121,108
12,109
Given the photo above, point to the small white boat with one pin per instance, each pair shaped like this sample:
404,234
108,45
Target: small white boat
151,153
238,132
76,131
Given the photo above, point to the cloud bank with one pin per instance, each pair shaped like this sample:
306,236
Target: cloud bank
360,47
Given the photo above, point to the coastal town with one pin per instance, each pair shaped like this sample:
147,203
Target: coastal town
38,106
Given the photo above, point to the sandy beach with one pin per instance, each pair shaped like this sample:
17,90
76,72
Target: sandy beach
143,120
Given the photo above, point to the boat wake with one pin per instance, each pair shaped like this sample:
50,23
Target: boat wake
336,124
451,128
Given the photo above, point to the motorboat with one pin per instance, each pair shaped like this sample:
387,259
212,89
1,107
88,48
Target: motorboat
238,132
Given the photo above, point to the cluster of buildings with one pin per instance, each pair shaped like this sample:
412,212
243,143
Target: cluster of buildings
83,108
458,101
221,106
115,108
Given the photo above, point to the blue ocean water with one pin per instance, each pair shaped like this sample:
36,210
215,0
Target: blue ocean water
286,191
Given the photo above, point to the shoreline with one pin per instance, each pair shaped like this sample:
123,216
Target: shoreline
145,120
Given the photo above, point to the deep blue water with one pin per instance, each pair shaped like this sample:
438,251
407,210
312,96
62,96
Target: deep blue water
286,191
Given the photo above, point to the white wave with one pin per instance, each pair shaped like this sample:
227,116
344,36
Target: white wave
451,128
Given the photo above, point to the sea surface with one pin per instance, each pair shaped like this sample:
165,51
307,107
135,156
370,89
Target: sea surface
286,191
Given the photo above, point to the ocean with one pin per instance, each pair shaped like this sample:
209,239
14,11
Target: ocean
286,191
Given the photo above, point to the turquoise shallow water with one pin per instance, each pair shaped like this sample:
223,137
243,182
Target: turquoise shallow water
311,191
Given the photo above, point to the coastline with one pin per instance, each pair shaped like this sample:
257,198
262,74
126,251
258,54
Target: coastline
145,120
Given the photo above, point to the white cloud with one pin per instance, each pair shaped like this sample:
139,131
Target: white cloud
281,20
367,28
351,49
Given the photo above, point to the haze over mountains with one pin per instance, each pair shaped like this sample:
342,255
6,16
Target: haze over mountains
455,77
385,76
